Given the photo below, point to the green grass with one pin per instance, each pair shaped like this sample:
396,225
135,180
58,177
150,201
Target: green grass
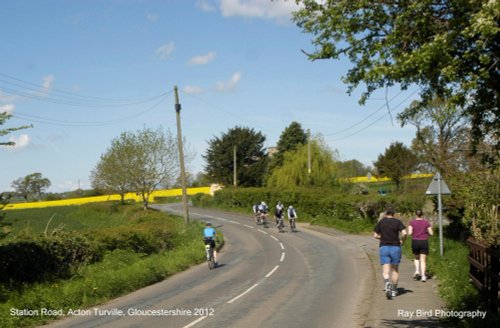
69,218
119,272
352,226
451,271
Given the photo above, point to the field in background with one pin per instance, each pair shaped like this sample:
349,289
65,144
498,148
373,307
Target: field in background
106,198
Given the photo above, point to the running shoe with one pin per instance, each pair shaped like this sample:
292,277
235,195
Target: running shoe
416,275
388,290
424,279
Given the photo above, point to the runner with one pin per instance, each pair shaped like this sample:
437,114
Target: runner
388,230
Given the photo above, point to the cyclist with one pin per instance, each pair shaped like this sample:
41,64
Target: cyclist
255,209
278,212
292,216
210,237
278,215
263,210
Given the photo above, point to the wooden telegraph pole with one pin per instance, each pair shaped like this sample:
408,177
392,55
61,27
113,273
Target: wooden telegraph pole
181,156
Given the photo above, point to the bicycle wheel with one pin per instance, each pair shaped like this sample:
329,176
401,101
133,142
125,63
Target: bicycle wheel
210,260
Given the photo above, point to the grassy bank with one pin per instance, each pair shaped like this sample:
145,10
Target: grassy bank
119,233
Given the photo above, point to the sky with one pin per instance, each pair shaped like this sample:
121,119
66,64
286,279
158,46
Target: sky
84,71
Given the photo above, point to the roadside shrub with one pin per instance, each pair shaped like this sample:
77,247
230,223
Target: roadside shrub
46,258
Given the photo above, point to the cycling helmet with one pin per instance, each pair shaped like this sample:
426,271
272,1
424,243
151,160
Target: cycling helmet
290,207
208,224
263,203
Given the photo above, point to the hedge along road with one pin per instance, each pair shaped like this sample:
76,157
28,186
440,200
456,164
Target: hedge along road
264,279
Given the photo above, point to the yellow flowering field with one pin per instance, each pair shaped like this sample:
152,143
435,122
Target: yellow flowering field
375,179
96,199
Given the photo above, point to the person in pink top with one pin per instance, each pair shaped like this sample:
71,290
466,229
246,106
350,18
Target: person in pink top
420,229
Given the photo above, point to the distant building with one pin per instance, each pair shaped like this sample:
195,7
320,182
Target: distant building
271,151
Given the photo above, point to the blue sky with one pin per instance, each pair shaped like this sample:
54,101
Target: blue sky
82,72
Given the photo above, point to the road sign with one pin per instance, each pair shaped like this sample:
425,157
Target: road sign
438,186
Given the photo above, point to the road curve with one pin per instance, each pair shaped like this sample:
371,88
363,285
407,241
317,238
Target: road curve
265,279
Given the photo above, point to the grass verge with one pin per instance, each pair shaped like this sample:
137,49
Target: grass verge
119,272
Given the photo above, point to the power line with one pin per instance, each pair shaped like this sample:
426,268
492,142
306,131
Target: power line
38,92
364,119
379,119
56,122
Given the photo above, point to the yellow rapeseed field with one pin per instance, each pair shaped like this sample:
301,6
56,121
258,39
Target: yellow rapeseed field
97,199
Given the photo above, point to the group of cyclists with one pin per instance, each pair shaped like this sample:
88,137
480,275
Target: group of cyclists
261,211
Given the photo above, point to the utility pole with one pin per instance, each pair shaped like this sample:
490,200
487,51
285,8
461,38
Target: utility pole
235,181
181,156
309,151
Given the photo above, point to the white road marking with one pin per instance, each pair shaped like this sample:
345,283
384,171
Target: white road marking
282,247
245,292
195,322
265,233
272,271
282,257
248,226
275,238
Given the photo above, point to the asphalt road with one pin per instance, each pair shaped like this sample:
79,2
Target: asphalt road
265,279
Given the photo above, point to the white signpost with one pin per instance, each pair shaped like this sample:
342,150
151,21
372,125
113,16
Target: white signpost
438,187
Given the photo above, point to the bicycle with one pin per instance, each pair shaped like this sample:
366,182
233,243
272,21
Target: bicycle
263,219
280,224
209,253
293,227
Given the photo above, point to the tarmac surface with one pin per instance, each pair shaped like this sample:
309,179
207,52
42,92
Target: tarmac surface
418,303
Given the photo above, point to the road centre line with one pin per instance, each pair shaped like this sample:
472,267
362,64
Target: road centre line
265,233
245,225
281,245
275,238
272,271
194,322
282,257
242,294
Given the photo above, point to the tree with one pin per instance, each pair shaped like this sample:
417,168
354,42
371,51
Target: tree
448,48
110,175
290,139
139,161
4,200
31,185
353,168
251,159
4,116
397,161
294,171
442,135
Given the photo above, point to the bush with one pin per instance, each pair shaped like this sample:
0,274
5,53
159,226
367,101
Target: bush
46,258
313,202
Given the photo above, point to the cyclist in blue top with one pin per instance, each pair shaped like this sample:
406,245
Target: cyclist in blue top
210,236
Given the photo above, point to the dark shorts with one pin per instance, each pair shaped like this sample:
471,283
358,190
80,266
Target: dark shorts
211,242
420,247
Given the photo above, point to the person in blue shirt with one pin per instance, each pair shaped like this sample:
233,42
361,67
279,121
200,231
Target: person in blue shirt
210,236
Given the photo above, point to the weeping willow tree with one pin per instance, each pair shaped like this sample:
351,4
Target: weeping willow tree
294,172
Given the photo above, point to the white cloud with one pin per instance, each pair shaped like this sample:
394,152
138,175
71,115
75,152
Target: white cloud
152,17
277,10
164,51
229,85
7,108
191,89
205,5
47,83
202,59
19,142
